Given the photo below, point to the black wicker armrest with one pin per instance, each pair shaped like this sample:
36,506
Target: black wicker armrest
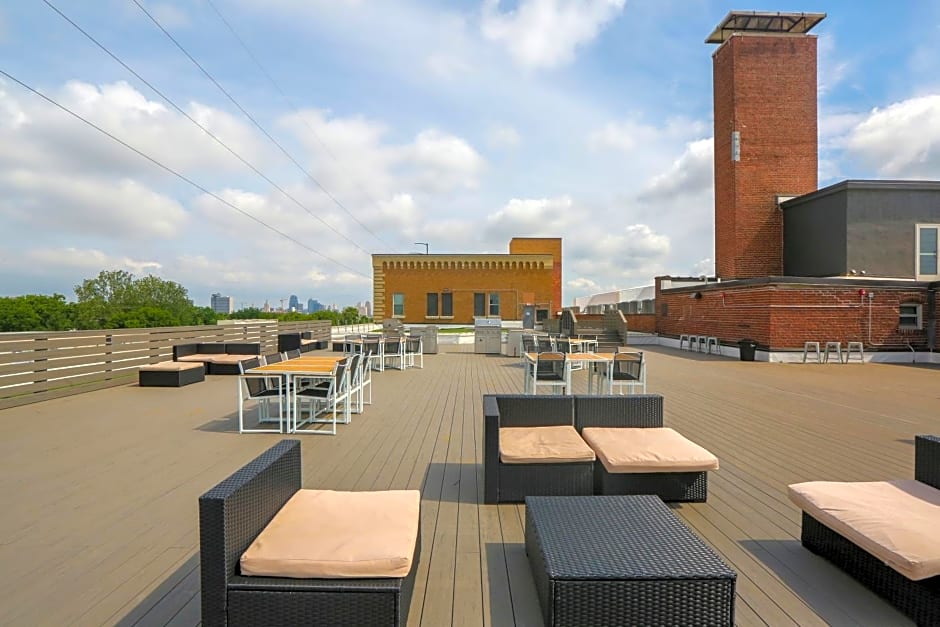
182,350
634,410
927,459
490,449
233,513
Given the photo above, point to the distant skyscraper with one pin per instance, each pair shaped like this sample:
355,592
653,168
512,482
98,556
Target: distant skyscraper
314,306
294,303
222,304
267,307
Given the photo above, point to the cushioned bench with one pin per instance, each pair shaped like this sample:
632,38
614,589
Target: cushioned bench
172,374
273,554
219,358
883,533
655,460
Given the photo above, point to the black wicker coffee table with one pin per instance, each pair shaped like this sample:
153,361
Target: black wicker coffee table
623,560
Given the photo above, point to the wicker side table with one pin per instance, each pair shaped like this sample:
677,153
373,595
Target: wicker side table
623,560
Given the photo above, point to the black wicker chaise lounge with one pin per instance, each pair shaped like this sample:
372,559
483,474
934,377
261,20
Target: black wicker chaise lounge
234,513
897,521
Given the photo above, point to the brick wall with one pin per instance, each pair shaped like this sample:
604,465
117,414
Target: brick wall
545,246
641,323
765,89
784,316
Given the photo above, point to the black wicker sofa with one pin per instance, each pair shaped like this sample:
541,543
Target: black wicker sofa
508,482
233,514
902,507
219,358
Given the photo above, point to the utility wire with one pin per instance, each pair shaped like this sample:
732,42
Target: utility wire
203,128
177,174
289,102
251,118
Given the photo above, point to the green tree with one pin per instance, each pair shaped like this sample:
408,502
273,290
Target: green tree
143,317
152,291
34,312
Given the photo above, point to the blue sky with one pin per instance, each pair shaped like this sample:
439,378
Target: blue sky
461,124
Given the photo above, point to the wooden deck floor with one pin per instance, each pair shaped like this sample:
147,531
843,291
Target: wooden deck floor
99,490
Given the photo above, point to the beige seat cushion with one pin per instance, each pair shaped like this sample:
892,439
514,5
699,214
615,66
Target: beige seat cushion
334,535
623,449
230,359
172,366
541,445
896,521
200,357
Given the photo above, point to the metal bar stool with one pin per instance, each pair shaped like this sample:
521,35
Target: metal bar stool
836,348
814,346
858,347
685,337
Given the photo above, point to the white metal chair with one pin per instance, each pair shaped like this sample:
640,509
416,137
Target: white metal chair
330,397
393,350
414,351
544,344
551,371
373,346
628,370
255,387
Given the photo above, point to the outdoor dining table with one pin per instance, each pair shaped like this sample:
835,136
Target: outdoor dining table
571,358
307,367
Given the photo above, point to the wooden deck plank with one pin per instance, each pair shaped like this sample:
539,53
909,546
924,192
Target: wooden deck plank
105,484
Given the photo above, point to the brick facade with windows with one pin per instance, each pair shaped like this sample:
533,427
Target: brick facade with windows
782,314
765,90
470,284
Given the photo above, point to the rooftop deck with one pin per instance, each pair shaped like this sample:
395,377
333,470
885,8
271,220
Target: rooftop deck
99,490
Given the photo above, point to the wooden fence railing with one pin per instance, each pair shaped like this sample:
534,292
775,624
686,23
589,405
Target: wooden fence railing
39,366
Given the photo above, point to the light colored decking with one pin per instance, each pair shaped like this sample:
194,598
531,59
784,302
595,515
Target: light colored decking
99,490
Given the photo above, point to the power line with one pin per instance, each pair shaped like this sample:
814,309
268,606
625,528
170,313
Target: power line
286,99
203,128
252,119
177,174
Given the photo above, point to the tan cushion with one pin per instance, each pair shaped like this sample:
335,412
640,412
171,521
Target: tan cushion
230,359
896,521
197,357
308,341
171,366
334,535
540,445
623,449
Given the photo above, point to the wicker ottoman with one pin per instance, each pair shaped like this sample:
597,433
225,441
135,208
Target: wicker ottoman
171,374
623,560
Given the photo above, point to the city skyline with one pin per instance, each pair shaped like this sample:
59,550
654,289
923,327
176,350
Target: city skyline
602,135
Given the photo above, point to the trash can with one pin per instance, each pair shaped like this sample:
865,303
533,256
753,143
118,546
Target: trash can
747,348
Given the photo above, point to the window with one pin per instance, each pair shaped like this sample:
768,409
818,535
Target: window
541,315
432,305
494,303
447,305
927,259
398,305
911,316
479,304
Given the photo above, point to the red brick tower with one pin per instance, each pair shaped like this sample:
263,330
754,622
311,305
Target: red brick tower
765,134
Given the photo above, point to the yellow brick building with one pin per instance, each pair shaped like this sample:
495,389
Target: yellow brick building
453,289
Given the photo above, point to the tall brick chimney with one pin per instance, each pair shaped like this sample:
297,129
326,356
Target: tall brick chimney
765,134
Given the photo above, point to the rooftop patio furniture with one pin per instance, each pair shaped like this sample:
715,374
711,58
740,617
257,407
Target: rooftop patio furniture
235,512
883,533
623,560
220,358
326,395
263,390
171,374
554,467
550,371
628,371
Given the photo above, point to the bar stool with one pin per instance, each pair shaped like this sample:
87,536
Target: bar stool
712,341
858,347
685,337
702,343
836,348
693,342
812,345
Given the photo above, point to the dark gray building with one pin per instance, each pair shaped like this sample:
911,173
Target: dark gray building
864,228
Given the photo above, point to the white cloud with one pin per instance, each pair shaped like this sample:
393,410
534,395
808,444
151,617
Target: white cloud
584,285
116,209
447,66
532,217
503,136
691,173
831,69
170,16
547,33
901,140
633,136
88,260
444,161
